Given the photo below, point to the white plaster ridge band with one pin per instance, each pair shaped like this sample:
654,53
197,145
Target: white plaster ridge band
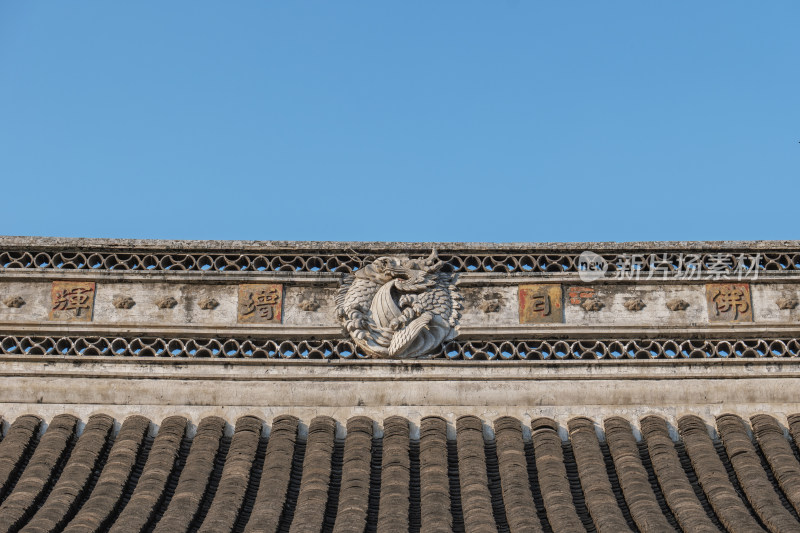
373,386
768,306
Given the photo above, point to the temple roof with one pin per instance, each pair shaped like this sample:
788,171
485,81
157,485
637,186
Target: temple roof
177,386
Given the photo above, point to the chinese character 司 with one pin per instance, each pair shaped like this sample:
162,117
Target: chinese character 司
75,299
261,302
540,303
729,298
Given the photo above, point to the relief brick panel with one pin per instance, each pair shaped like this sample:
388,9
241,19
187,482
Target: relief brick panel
72,300
540,304
260,303
729,302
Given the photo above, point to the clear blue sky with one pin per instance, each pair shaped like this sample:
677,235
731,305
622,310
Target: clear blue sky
473,121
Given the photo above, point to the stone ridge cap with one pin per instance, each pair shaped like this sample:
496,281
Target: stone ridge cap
239,246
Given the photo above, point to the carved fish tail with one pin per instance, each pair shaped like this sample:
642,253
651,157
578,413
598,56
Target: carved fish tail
403,338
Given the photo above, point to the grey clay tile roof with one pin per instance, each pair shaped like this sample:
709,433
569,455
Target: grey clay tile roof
129,481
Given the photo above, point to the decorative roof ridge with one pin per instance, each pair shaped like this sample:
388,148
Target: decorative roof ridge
92,244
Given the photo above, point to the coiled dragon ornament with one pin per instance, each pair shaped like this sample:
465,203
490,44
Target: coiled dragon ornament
398,307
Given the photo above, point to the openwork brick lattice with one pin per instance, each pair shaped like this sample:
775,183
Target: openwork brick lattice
664,262
543,350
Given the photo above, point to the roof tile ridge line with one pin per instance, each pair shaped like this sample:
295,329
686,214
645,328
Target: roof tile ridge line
175,245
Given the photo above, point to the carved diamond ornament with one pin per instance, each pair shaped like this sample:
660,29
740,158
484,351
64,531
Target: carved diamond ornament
397,307
592,305
677,305
166,302
634,304
208,304
123,302
14,302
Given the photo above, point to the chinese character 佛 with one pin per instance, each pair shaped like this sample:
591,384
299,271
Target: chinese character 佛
730,298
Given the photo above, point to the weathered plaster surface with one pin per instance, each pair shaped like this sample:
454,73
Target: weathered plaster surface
158,388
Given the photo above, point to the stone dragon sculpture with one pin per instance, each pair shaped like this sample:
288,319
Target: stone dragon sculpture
398,307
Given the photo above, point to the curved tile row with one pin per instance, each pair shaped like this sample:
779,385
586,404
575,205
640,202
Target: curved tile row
600,499
761,493
74,482
353,504
313,496
151,489
741,476
34,480
672,478
393,505
726,501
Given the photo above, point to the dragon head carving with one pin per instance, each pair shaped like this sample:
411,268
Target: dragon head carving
399,307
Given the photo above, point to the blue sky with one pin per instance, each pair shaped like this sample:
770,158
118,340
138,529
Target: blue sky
418,121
